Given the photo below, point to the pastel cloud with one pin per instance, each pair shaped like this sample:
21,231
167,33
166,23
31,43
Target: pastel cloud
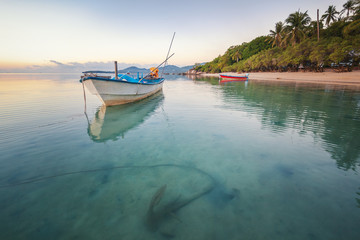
53,66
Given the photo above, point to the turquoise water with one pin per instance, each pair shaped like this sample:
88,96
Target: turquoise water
255,160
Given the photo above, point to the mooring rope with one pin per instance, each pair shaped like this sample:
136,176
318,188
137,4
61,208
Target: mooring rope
84,95
103,169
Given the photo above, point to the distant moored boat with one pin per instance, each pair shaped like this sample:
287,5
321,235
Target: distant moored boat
230,78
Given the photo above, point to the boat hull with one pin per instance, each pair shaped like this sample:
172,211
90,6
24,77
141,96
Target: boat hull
231,78
112,92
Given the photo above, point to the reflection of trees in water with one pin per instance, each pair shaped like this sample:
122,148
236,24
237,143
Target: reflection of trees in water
330,113
210,79
342,131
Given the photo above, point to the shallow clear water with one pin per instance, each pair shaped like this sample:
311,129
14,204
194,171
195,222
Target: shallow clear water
255,160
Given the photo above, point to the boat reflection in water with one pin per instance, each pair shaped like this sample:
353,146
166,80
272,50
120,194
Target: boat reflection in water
111,122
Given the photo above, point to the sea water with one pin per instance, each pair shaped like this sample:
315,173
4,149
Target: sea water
199,160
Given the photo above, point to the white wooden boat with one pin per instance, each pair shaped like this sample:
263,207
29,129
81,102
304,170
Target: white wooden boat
121,90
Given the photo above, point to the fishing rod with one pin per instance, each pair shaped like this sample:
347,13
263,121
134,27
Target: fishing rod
157,67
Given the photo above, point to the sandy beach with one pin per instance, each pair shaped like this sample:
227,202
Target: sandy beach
327,77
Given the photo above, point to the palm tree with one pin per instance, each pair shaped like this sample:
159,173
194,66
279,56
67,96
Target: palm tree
277,35
297,22
330,15
349,6
357,7
312,28
236,56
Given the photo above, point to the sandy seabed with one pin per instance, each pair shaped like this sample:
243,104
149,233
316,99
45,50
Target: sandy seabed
327,77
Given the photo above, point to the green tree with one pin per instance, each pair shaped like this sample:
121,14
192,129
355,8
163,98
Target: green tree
224,61
319,54
277,35
236,56
330,15
348,7
356,9
312,29
297,23
339,50
255,46
352,29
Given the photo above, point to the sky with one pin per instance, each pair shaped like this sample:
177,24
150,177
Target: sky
47,35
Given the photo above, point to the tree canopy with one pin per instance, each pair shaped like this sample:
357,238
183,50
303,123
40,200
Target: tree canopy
294,43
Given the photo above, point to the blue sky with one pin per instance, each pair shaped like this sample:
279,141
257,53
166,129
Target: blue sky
37,33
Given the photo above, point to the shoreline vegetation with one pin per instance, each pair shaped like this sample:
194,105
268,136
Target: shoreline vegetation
326,77
295,51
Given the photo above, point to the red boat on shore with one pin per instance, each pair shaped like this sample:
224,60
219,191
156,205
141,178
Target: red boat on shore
231,78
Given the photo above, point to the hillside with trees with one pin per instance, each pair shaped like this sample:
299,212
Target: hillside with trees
294,45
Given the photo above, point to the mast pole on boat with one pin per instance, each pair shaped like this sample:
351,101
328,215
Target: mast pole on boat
167,55
157,67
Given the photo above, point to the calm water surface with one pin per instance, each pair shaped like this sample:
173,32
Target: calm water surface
256,160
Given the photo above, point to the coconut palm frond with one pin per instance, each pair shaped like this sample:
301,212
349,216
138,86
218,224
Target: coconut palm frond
330,15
